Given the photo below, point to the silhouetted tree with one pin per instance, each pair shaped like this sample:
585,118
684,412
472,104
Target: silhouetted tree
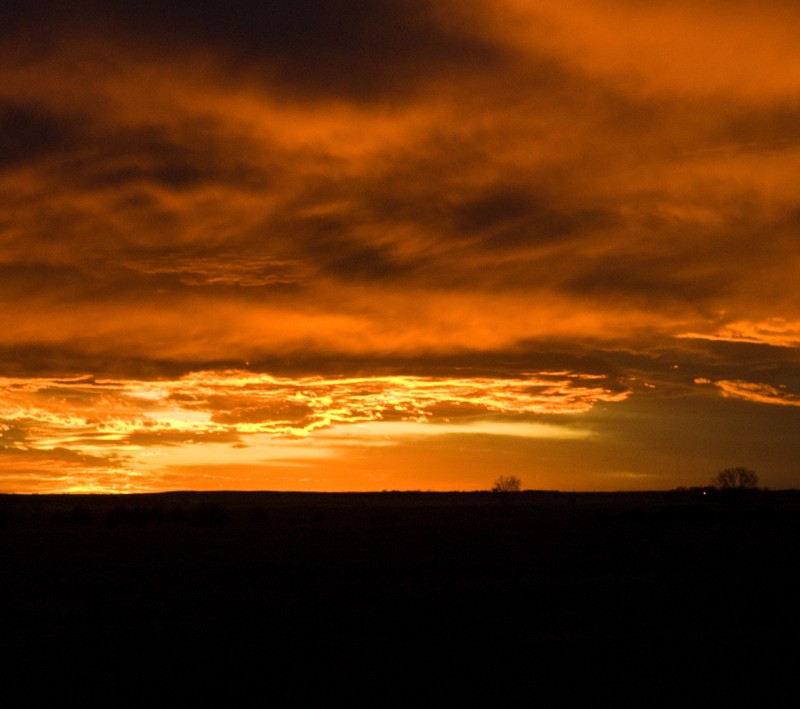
510,483
736,479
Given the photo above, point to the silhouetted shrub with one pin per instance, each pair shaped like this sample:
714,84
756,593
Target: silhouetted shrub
510,483
736,479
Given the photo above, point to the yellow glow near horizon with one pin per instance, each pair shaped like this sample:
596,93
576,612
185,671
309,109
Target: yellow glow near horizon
243,418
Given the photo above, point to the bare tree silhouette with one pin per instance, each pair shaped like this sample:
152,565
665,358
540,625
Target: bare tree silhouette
736,479
510,483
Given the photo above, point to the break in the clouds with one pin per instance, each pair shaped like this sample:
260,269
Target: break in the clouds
116,427
355,189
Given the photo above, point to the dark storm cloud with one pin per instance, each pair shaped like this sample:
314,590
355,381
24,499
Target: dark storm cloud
327,47
773,126
515,218
102,209
17,279
28,133
71,359
334,245
307,48
528,182
136,166
744,360
659,281
364,262
184,156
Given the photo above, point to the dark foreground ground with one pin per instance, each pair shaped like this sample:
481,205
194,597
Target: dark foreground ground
282,599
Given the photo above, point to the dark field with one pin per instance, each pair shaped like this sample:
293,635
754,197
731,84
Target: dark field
256,598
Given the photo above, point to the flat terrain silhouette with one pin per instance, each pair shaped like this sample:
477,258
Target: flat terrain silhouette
211,592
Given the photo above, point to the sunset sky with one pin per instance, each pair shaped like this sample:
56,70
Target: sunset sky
398,244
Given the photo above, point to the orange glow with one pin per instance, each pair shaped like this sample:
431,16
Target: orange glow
525,236
241,417
677,46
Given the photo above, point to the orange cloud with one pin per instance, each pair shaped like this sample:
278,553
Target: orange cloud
759,393
775,332
465,191
136,425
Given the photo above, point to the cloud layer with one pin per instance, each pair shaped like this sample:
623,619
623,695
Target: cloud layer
392,185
